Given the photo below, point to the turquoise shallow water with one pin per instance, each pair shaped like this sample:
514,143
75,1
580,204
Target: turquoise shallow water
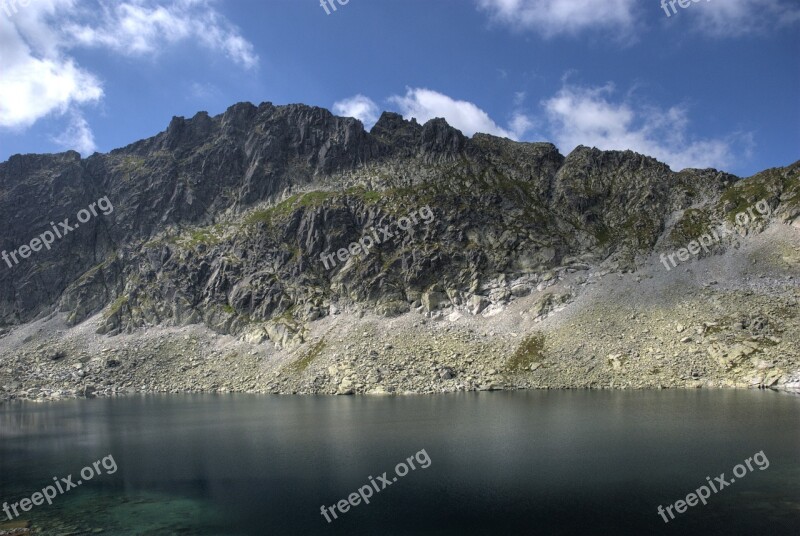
565,462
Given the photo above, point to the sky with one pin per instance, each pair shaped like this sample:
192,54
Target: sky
713,84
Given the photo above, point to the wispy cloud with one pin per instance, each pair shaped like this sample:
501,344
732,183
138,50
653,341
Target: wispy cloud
550,18
734,18
624,18
77,136
142,28
590,116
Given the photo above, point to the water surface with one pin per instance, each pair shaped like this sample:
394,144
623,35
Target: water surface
553,462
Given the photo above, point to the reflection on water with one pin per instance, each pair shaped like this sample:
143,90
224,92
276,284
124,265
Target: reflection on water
573,462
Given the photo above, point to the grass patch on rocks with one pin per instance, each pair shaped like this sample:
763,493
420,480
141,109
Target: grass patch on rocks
302,364
529,352
115,308
694,223
285,208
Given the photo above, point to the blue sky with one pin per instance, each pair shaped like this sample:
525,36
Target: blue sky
714,84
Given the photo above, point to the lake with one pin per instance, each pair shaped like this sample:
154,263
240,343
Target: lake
541,462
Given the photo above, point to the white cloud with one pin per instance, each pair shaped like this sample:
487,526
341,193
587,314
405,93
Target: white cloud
78,136
33,88
36,78
362,108
41,77
426,104
733,18
587,116
554,17
204,91
142,28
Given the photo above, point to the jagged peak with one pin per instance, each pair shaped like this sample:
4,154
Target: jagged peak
393,122
582,153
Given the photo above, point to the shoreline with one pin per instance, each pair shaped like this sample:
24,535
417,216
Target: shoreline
792,390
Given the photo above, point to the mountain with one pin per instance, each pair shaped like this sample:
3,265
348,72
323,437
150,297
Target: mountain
228,253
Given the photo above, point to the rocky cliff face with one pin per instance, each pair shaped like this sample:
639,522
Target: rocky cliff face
224,222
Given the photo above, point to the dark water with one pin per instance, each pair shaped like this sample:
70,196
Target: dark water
577,462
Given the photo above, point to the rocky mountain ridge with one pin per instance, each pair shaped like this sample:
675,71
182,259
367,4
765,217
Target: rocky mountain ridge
222,222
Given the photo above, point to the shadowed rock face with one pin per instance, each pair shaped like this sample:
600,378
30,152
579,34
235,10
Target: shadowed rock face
223,220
